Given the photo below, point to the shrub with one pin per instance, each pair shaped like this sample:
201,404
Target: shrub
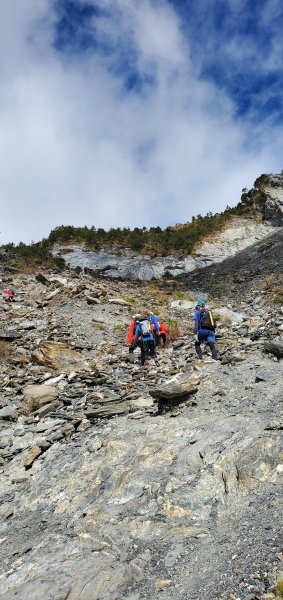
129,299
224,319
161,297
119,326
174,329
99,326
278,299
180,295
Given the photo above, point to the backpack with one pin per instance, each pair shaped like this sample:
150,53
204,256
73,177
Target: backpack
145,329
206,320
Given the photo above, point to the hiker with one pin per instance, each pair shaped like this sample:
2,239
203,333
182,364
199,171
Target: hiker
131,332
154,326
131,336
163,333
144,337
204,330
10,295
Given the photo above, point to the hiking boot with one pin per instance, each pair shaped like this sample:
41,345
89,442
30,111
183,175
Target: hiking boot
214,352
199,352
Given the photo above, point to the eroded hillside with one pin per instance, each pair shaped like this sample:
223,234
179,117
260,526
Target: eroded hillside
119,481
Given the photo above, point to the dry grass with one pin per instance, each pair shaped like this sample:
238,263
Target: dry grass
5,351
174,329
180,295
224,319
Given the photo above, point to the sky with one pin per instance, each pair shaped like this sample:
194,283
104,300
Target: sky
135,113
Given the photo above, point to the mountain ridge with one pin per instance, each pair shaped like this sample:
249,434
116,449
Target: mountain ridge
262,204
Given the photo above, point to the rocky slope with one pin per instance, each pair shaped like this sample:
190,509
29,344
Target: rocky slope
258,266
119,481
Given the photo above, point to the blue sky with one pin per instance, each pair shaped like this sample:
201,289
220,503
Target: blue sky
135,112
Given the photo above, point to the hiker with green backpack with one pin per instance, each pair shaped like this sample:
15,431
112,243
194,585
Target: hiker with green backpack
204,330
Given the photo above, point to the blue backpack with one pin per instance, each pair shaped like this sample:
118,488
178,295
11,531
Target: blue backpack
145,331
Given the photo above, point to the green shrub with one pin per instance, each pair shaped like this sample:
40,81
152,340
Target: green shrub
119,326
179,295
129,299
278,299
99,326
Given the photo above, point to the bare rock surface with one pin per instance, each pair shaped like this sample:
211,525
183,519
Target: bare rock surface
121,481
261,210
124,263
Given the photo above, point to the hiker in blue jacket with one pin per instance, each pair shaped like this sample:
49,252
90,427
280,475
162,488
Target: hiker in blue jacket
145,338
204,330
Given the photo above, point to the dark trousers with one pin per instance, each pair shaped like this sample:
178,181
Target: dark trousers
208,337
147,350
163,337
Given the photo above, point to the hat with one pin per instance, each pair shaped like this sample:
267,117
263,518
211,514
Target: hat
200,303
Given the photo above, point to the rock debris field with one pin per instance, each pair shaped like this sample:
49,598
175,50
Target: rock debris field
127,482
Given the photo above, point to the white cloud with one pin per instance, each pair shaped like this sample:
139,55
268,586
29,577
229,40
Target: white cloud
77,148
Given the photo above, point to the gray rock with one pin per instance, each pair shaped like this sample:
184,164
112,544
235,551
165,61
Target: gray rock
177,387
262,376
275,347
10,334
8,413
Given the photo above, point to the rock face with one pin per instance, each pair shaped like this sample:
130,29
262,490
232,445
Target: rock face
267,198
264,204
124,263
121,481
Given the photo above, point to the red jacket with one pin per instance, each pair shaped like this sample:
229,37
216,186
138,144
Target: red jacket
163,328
131,333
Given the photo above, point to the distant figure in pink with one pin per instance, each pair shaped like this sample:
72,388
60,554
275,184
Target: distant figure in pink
10,295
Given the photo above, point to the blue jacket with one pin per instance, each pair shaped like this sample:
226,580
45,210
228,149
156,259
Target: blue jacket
197,322
154,322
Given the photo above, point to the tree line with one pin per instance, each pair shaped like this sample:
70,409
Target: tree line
179,239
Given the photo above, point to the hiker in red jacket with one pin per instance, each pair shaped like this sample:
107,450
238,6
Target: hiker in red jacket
163,333
131,332
131,336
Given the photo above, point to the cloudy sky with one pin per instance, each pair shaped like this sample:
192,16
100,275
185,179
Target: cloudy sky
135,112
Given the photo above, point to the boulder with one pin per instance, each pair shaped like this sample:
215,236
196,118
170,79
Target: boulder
275,347
58,356
119,301
32,455
174,391
36,396
10,334
177,387
8,413
42,279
